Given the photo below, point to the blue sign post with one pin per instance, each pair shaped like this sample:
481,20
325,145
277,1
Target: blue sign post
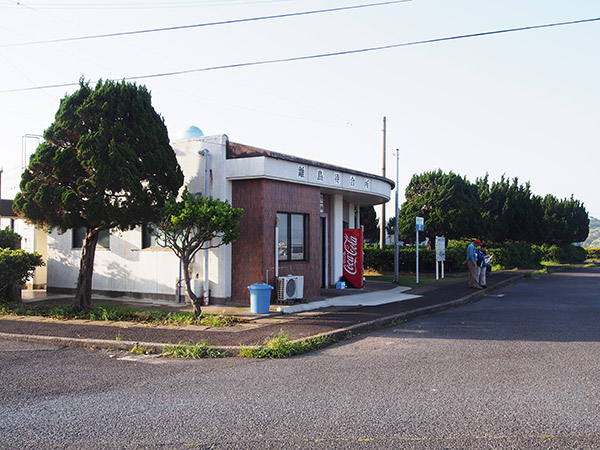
420,225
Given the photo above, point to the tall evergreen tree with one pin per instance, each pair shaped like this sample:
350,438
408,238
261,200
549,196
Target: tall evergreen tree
106,163
370,223
509,211
566,220
448,203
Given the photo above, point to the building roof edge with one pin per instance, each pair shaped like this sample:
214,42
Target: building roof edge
236,151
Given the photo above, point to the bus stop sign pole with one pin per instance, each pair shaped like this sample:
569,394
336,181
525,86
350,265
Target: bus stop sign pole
420,226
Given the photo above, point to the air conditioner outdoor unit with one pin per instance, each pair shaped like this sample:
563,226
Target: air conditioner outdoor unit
290,287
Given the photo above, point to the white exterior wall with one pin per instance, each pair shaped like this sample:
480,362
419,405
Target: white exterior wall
193,167
32,238
128,268
125,267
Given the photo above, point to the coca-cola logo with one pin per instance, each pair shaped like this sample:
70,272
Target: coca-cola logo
350,254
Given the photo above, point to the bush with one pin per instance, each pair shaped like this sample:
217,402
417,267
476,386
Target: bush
16,266
508,255
592,253
563,254
515,254
383,260
9,239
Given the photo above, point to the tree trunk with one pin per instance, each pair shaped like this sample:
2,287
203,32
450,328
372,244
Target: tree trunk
83,294
196,308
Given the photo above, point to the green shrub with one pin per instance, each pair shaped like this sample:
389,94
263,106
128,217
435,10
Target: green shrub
592,253
515,254
383,260
16,266
563,254
9,239
508,255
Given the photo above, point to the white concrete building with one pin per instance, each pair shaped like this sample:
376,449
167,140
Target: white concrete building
295,211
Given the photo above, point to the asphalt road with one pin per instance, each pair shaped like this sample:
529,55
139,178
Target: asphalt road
516,370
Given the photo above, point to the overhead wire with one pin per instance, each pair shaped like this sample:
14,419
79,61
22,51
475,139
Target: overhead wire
207,24
321,55
141,5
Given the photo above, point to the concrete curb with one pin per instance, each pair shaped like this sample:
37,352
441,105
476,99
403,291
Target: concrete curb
341,333
104,344
82,342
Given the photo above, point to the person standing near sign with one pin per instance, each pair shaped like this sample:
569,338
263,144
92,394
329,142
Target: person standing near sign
482,262
472,264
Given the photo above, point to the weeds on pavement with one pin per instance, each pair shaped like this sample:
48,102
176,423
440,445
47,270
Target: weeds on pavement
281,346
193,350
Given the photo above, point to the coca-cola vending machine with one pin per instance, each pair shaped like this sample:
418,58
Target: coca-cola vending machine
353,257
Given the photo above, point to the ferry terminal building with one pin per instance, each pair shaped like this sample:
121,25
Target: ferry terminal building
295,211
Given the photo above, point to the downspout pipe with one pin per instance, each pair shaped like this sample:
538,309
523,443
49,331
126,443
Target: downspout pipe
206,154
276,250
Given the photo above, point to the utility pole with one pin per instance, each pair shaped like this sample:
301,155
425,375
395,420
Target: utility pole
396,234
382,224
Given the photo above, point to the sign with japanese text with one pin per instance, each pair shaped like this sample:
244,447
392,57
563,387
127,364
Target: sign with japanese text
440,248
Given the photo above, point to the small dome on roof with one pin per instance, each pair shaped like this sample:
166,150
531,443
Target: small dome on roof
190,132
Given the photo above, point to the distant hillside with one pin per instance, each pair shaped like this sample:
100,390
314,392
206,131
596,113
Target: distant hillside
593,239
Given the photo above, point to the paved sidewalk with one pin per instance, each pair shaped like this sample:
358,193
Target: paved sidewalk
354,311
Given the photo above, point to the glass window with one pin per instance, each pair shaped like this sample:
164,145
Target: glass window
297,237
149,236
292,237
282,243
79,237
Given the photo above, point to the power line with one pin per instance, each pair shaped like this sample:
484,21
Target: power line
208,24
321,55
143,5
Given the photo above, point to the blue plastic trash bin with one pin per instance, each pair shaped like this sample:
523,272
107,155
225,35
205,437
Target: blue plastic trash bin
260,298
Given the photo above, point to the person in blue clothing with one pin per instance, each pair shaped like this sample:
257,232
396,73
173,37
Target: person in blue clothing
482,264
472,264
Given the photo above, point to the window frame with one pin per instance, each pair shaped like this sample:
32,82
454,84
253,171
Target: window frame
149,238
78,236
289,238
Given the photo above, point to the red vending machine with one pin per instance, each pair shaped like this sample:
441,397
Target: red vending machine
353,257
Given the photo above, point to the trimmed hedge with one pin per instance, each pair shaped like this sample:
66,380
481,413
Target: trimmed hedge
592,253
563,254
383,260
515,255
506,256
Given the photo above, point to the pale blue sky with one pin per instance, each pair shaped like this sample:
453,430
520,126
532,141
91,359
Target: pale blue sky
523,104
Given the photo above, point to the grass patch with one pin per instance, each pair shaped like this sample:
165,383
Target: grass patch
117,314
193,350
552,267
281,346
404,279
141,350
